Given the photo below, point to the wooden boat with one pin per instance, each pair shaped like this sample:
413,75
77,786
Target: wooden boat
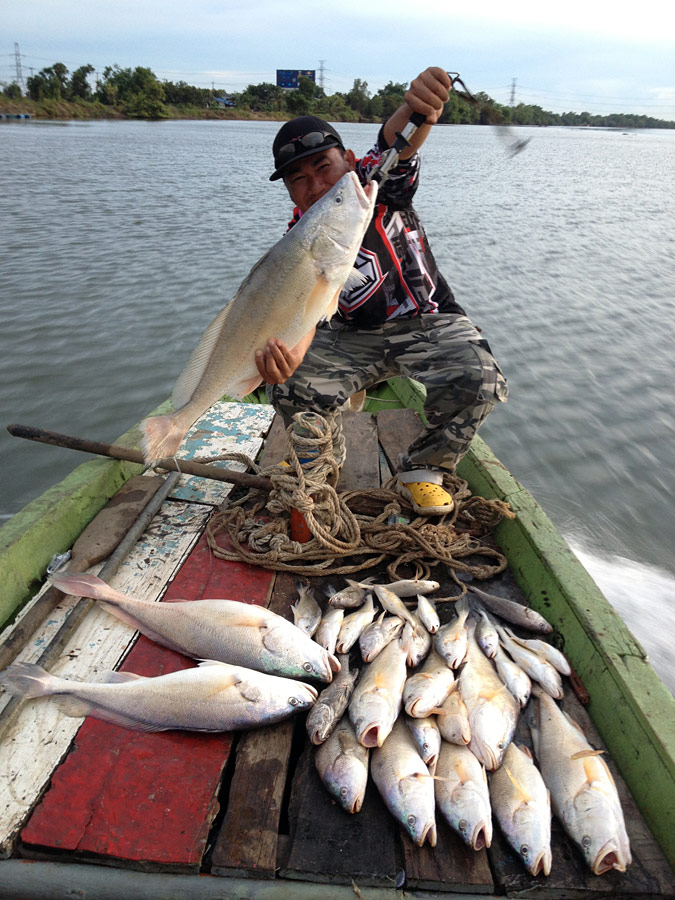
234,816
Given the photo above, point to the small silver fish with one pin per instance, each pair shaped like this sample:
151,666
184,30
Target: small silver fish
426,612
342,764
516,680
486,635
306,611
427,689
451,640
545,650
351,597
327,633
353,625
427,738
331,703
393,604
377,635
453,719
411,588
513,612
418,641
534,665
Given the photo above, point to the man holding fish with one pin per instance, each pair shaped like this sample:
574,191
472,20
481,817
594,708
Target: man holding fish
398,316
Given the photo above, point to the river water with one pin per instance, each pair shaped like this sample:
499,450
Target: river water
120,241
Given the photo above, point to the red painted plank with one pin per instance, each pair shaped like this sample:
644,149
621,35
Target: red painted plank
141,797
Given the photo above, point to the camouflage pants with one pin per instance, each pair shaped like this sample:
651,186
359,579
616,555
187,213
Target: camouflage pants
444,352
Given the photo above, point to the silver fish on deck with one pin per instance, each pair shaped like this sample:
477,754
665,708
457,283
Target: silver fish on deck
534,665
331,703
353,624
427,739
228,631
486,635
429,687
583,792
294,285
543,649
493,710
522,806
351,597
418,641
327,633
462,795
452,718
342,764
211,697
515,679
405,784
426,613
375,637
513,612
376,701
393,604
411,587
306,611
451,640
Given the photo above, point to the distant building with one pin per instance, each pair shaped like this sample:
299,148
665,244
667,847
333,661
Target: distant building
290,78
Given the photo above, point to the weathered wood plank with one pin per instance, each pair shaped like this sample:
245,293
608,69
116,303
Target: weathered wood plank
225,428
328,845
396,430
361,468
40,735
449,866
170,779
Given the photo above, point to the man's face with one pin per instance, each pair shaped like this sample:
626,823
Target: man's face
312,177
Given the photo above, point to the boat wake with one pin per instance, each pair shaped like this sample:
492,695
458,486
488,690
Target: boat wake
644,597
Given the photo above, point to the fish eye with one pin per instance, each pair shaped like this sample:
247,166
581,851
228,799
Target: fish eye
462,825
524,850
586,842
500,745
308,667
293,701
338,199
343,791
411,819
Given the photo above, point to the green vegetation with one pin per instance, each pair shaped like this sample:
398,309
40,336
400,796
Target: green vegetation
139,94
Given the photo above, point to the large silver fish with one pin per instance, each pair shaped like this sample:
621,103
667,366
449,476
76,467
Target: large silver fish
405,784
294,285
583,793
451,640
241,634
428,688
462,795
376,701
493,710
522,806
342,764
210,697
331,704
452,718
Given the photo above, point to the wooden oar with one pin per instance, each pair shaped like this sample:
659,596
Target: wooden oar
185,466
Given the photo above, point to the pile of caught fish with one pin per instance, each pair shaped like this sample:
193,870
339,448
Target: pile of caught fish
438,707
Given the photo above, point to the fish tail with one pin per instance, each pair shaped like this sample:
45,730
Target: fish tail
80,585
28,680
162,436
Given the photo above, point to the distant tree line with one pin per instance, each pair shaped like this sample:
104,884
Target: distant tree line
138,93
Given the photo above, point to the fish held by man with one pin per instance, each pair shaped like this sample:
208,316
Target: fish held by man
228,631
294,285
212,696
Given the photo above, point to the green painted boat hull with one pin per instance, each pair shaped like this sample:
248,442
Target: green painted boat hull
630,706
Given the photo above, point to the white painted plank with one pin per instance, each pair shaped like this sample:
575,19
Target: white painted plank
40,735
226,427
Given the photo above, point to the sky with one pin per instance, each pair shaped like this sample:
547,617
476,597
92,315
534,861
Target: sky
571,56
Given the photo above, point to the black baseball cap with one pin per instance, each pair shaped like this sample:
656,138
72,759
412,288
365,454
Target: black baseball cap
299,138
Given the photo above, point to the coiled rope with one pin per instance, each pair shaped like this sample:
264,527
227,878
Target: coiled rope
342,541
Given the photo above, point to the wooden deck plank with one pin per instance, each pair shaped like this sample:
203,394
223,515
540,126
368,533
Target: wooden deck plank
449,866
225,428
39,735
361,469
143,798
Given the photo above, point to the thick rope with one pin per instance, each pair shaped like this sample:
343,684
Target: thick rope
344,542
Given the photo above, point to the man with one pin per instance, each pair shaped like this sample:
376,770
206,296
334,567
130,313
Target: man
403,320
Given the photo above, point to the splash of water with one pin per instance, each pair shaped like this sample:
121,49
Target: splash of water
644,597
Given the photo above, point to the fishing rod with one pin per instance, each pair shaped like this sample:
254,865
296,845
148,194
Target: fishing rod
391,156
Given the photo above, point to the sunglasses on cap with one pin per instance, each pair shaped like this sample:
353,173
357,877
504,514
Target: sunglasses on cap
310,141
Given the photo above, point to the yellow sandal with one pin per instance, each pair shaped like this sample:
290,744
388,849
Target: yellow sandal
423,488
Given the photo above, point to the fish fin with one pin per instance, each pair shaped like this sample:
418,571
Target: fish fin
462,773
211,662
161,437
81,585
228,681
574,722
196,365
582,754
121,677
590,763
524,749
27,680
245,386
355,279
73,706
319,303
524,796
